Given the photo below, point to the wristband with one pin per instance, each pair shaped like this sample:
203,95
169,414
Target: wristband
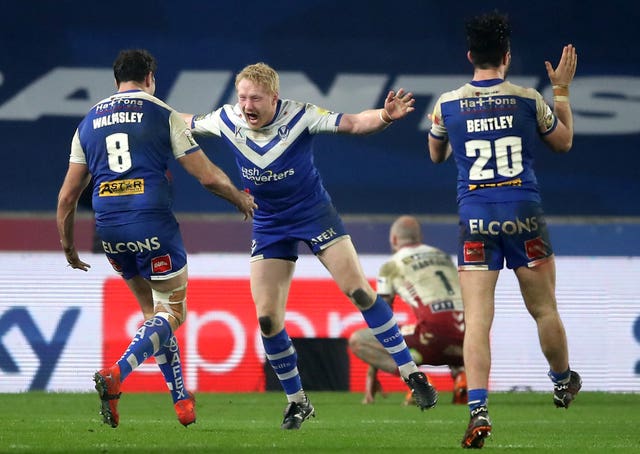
560,99
382,118
560,90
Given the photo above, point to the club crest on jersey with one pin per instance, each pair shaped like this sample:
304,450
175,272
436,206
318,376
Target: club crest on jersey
283,132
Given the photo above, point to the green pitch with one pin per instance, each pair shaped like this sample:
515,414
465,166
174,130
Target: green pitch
523,422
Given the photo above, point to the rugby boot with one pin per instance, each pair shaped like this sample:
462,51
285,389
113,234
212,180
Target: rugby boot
186,410
108,387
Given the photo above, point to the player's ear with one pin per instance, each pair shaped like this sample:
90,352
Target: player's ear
506,59
469,57
393,239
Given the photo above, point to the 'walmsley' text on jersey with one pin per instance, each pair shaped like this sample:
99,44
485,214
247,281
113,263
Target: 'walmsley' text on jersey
275,161
494,127
126,141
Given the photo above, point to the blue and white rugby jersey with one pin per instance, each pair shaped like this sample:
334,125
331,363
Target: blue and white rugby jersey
494,128
126,141
276,161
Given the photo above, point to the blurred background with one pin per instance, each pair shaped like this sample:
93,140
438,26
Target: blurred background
55,63
56,57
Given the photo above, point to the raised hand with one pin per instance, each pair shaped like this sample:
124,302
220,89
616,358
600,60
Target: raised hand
563,74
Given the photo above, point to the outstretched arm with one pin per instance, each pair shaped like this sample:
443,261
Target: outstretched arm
396,106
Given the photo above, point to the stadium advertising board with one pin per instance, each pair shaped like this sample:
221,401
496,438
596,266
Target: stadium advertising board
57,325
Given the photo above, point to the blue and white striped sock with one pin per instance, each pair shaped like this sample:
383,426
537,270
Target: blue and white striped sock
170,364
146,342
380,319
477,398
284,360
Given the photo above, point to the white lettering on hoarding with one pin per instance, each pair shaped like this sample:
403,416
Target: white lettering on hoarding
602,105
589,289
193,359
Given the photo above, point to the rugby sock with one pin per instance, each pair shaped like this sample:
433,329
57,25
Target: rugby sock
146,342
477,398
380,319
284,360
561,378
168,359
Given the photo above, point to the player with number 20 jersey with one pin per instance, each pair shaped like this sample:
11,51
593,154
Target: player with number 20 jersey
494,128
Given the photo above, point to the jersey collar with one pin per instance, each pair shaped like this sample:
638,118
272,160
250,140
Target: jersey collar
486,83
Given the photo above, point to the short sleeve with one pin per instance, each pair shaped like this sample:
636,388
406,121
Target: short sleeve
547,121
77,155
207,124
321,120
438,129
182,141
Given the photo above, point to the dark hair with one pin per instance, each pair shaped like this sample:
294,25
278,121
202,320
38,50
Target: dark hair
133,65
488,39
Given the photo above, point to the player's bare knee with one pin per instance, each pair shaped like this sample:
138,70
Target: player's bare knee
361,299
355,341
171,305
266,325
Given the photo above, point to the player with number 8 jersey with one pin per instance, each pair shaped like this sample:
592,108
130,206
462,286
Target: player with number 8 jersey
125,144
126,121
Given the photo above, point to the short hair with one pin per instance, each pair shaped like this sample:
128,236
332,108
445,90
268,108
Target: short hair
407,229
261,74
133,65
488,37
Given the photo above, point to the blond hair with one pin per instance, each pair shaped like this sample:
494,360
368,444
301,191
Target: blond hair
261,74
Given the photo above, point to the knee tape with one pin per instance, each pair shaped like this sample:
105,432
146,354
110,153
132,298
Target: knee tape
172,303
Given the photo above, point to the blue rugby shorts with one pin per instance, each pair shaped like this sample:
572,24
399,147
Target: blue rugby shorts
280,240
494,233
152,249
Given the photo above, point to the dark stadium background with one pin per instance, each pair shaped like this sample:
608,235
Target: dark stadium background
590,194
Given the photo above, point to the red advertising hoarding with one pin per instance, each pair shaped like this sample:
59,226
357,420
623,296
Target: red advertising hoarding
220,339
